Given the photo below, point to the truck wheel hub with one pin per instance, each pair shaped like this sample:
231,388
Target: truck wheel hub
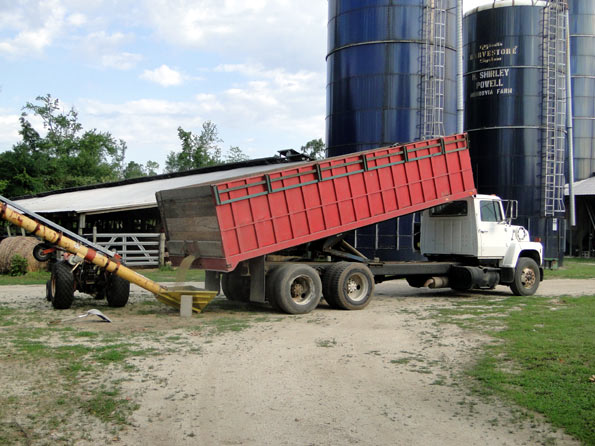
528,278
301,289
352,287
357,287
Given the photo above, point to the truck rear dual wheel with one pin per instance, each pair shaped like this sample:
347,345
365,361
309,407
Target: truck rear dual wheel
294,288
271,279
62,286
526,277
348,285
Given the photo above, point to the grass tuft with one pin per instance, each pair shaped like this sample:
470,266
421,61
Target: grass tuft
544,359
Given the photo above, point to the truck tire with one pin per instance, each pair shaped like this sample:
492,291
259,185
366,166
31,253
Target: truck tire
329,291
349,286
235,286
271,279
526,277
117,291
48,290
62,286
296,288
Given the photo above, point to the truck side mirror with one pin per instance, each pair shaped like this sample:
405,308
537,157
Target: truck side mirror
511,209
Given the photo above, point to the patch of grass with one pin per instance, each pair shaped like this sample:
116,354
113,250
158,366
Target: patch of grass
6,316
109,407
402,360
32,278
545,359
85,334
226,324
574,268
158,275
326,343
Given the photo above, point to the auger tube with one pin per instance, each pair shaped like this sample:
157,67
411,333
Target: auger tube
112,265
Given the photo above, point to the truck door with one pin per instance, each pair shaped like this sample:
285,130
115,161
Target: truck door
494,232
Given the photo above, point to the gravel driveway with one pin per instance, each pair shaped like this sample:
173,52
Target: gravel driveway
388,375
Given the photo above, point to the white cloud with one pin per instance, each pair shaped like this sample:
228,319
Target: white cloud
263,111
76,19
141,107
120,61
9,130
103,49
237,27
164,76
36,26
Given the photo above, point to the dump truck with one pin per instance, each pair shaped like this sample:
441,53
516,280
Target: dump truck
279,237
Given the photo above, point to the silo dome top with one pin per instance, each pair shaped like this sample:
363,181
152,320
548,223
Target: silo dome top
491,4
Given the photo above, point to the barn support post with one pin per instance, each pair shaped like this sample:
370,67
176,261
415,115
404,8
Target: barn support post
82,222
162,249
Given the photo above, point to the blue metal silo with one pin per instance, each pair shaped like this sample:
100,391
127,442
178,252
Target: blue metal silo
391,77
582,69
515,108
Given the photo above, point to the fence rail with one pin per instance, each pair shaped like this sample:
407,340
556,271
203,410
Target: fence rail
136,249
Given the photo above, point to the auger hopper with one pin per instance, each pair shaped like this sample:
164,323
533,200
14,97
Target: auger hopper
86,251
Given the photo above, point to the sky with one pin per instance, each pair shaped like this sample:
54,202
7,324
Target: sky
139,69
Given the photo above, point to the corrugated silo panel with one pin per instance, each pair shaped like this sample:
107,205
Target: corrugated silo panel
582,68
374,91
504,110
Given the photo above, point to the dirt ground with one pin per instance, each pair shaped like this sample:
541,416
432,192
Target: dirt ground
388,375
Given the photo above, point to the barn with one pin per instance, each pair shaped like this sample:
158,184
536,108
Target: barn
123,215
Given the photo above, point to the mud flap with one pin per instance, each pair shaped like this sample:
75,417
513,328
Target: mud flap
257,280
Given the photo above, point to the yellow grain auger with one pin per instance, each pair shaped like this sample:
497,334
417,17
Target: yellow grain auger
111,279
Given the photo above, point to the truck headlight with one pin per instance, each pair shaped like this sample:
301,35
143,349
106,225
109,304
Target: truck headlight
521,234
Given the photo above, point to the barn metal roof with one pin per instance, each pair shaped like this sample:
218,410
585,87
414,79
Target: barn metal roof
130,195
583,187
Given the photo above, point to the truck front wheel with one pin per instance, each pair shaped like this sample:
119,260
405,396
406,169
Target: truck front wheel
348,286
526,277
295,288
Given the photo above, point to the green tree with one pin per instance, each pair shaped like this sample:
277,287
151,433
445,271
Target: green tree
197,150
151,168
136,170
67,156
235,155
314,149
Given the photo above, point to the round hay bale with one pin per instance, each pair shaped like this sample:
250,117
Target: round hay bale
22,246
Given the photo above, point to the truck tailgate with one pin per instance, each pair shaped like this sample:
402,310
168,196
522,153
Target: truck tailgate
240,218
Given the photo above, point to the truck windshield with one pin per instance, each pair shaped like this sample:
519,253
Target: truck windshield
453,209
491,211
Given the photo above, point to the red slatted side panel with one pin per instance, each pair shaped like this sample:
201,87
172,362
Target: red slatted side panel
294,206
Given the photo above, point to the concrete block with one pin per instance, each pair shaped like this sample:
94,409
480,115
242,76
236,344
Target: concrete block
186,306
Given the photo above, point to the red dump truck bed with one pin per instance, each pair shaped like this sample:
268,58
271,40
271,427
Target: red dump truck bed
237,219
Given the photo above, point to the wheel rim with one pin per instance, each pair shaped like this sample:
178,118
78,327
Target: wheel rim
302,289
528,277
53,285
357,287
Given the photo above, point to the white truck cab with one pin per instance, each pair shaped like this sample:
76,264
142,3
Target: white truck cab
478,232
